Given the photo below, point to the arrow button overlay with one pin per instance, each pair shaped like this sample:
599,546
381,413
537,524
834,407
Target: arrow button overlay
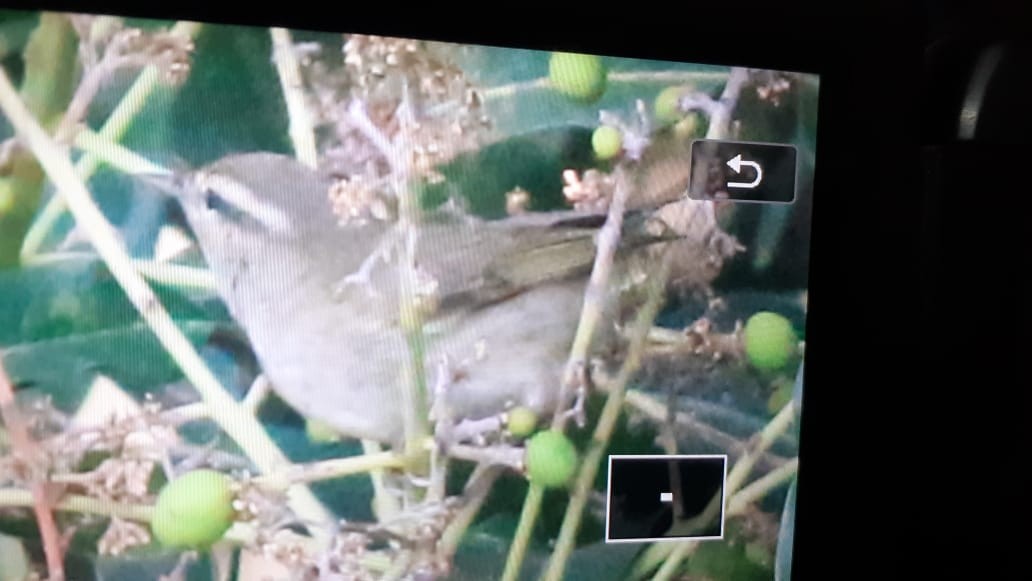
736,163
742,171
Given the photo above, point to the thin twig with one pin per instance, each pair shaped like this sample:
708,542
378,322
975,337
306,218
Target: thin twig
764,440
759,488
256,395
301,131
720,115
512,89
671,554
242,427
524,530
415,398
591,314
81,504
331,469
658,412
114,128
166,273
176,275
115,154
476,493
607,424
29,451
385,505
595,293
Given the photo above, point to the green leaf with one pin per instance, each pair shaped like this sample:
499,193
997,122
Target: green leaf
132,356
534,162
519,99
14,562
77,295
231,73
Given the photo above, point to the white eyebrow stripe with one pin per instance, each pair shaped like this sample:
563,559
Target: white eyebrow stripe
244,198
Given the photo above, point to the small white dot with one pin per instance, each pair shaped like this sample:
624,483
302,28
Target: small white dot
666,496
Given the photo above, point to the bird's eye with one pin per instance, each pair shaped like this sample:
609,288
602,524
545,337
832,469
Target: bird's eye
213,201
223,207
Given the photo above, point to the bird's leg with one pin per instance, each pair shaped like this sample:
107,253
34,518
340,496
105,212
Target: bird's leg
477,431
362,276
581,382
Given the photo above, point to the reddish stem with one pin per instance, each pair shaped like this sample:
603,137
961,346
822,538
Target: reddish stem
26,448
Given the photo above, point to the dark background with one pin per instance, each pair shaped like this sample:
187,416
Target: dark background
919,304
635,511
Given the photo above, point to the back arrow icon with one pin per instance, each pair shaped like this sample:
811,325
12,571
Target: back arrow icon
736,163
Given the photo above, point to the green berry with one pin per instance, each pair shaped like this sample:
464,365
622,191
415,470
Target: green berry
320,432
607,142
194,510
666,107
780,397
770,341
578,76
689,126
521,421
551,459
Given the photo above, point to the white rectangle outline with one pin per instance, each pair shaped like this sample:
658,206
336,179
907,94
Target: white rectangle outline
723,495
795,190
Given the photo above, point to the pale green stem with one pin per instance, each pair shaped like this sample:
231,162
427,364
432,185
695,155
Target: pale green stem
777,426
115,154
475,496
606,425
301,132
673,562
759,488
82,504
176,275
415,399
736,506
330,469
672,553
591,313
679,77
595,293
255,396
241,426
114,128
166,273
524,530
385,505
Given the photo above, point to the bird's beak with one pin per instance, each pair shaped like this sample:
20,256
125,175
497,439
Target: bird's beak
167,182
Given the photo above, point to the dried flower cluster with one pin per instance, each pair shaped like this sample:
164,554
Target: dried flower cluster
105,43
392,110
359,551
771,86
590,191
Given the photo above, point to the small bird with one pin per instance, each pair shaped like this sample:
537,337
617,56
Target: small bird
319,300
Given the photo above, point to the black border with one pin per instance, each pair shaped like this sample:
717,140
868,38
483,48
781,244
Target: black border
847,49
870,434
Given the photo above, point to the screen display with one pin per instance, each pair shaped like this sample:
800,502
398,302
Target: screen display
283,304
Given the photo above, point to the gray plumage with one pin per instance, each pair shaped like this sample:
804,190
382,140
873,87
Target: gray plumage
510,295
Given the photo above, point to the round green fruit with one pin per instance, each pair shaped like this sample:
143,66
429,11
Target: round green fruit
194,510
521,421
770,341
320,432
666,106
779,398
578,76
607,142
551,459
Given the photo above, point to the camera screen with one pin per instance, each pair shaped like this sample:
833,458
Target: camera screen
285,304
